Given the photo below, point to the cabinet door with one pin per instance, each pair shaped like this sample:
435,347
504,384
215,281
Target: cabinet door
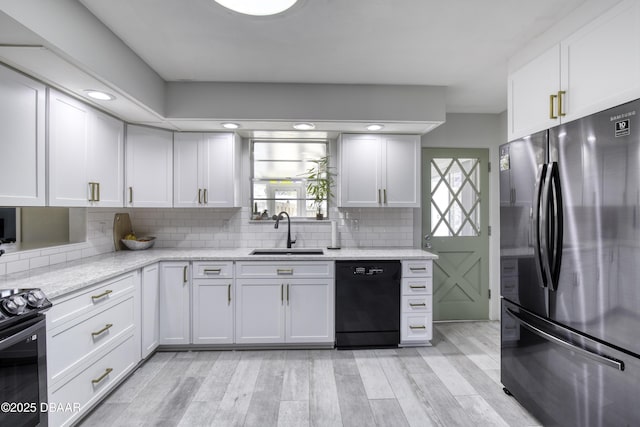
149,170
106,159
22,140
68,146
185,162
150,309
401,171
175,303
259,311
218,169
601,62
212,311
360,171
309,311
529,93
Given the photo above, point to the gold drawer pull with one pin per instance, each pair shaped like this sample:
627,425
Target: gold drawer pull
417,327
417,305
102,295
103,376
417,286
184,274
105,329
229,294
212,270
285,271
418,268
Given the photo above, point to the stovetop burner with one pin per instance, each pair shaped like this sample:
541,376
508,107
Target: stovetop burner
17,305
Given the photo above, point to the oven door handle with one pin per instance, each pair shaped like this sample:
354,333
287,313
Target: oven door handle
21,332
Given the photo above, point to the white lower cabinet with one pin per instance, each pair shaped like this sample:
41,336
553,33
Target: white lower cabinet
175,303
150,306
213,302
416,321
93,341
274,305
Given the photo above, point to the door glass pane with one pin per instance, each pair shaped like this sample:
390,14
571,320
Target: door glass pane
455,197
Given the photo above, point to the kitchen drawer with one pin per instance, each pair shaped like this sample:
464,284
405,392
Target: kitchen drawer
417,286
417,268
72,344
416,304
415,327
284,269
212,270
92,383
71,306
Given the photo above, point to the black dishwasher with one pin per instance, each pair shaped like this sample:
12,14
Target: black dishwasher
367,304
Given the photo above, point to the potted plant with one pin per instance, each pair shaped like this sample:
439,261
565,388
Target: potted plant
319,183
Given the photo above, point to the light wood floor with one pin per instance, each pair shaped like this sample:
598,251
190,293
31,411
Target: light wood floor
454,383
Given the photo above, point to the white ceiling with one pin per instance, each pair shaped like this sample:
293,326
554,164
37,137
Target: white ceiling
461,44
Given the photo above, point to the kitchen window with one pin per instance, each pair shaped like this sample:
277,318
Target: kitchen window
278,177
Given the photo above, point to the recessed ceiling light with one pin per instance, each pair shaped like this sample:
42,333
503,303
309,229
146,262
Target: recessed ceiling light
375,126
257,7
230,125
99,95
304,126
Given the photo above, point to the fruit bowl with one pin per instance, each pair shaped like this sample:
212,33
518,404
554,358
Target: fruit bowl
140,243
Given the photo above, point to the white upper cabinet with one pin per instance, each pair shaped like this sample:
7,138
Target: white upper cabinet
22,140
149,167
379,170
85,155
595,68
206,170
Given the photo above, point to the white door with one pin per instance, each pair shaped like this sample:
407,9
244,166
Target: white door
309,311
360,171
22,140
213,311
106,160
217,170
187,190
150,309
259,311
149,170
68,147
401,166
175,303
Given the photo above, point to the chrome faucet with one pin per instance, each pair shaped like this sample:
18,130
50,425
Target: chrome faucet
278,218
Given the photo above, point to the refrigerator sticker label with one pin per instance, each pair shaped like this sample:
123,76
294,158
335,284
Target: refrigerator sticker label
622,128
504,162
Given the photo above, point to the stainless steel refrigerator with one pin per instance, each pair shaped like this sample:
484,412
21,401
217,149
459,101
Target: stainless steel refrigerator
570,270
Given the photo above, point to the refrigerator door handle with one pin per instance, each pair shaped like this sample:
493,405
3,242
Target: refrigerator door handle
546,229
539,253
558,220
605,360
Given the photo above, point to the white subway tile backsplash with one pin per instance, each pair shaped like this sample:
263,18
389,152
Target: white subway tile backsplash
17,266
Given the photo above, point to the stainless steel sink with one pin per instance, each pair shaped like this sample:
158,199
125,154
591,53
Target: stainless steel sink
287,251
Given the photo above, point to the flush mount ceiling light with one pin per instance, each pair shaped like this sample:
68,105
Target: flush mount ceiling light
375,126
304,126
99,95
229,125
257,7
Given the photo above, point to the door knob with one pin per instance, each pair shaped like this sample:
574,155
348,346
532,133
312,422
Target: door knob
427,237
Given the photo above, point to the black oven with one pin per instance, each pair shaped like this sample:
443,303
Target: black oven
23,360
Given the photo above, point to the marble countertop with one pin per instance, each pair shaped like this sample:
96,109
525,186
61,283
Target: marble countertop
61,279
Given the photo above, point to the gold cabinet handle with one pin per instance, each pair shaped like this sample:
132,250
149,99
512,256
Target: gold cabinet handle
103,376
105,329
130,194
98,185
199,196
102,295
561,112
282,293
184,274
92,192
552,99
384,192
418,268
287,294
379,198
206,199
229,294
417,327
422,304
417,287
285,271
212,270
